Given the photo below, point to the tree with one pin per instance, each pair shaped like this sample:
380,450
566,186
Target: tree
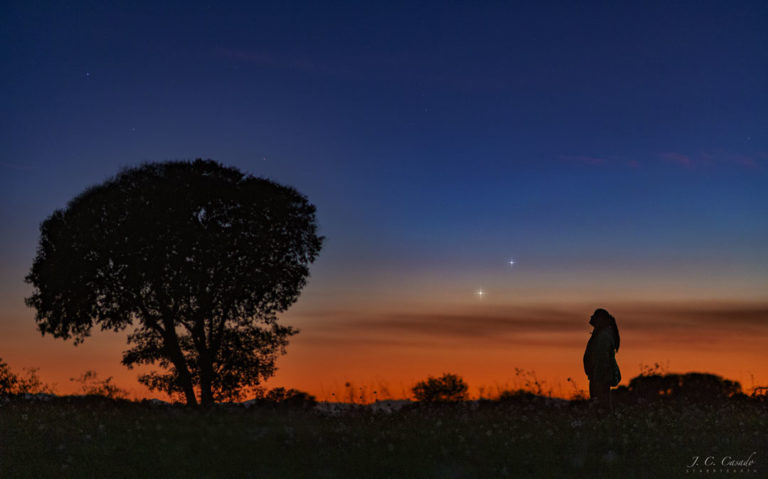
446,388
196,258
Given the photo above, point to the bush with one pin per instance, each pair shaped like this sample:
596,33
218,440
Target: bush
12,383
90,385
291,397
446,388
519,395
691,387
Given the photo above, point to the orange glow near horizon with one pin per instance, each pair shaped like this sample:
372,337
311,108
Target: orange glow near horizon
493,347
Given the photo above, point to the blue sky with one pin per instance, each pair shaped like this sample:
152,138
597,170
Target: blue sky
615,150
430,136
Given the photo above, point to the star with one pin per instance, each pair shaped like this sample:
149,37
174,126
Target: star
480,293
511,262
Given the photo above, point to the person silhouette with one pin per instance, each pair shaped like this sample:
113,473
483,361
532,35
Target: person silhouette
600,357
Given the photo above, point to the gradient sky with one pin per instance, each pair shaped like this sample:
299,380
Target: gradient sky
617,151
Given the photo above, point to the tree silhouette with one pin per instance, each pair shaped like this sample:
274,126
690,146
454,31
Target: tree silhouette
446,388
195,257
290,398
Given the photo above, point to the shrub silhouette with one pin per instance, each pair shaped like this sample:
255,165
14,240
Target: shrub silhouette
516,396
654,386
90,385
692,387
12,383
704,386
446,388
760,393
291,398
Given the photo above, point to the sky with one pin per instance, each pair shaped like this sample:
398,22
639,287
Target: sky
615,152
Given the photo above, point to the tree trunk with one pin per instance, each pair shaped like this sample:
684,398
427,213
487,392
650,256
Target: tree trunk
206,378
186,381
177,358
205,362
206,389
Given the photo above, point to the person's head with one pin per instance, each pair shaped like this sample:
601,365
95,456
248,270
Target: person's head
602,319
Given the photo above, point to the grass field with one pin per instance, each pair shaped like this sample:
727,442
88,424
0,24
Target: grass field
95,437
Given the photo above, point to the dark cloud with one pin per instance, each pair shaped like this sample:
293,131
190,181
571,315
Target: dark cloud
541,326
723,316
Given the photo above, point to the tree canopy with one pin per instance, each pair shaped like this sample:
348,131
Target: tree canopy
195,258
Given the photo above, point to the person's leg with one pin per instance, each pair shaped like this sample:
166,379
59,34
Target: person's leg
600,393
604,396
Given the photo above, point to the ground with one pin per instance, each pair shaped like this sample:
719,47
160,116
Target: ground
95,437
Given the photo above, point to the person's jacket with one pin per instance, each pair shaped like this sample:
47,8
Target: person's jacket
599,357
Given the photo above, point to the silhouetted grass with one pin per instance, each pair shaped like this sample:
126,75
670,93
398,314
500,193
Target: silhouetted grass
525,437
